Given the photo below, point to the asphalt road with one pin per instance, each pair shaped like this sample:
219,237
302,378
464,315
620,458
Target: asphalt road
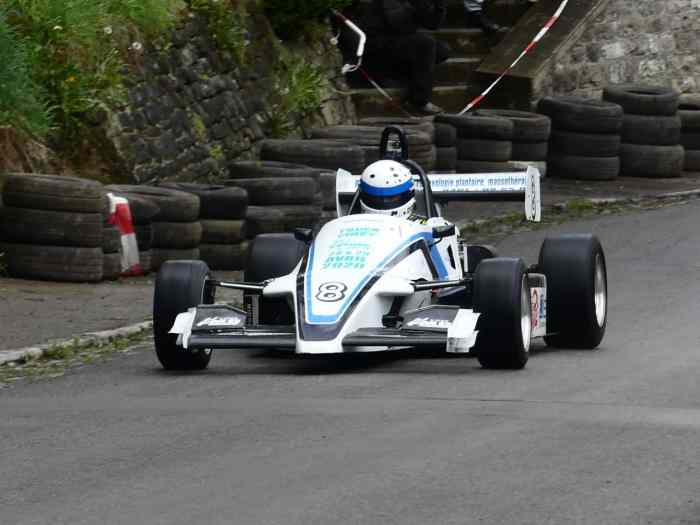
601,437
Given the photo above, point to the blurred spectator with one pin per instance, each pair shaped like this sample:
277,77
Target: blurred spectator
477,18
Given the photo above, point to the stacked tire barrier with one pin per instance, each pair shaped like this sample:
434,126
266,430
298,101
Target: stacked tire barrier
52,228
585,138
689,112
324,154
111,248
531,131
176,231
222,212
142,213
282,195
651,130
484,143
445,148
418,150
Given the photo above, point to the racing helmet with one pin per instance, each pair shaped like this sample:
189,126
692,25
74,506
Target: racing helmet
386,187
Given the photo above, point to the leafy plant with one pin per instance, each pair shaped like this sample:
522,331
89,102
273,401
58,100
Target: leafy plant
227,20
298,88
23,105
291,18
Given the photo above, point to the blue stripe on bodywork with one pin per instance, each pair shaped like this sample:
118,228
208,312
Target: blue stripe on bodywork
331,319
386,192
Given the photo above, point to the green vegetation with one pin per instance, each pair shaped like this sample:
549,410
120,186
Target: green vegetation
293,18
298,86
57,359
228,24
69,57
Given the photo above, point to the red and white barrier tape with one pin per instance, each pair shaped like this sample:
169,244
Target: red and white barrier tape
532,44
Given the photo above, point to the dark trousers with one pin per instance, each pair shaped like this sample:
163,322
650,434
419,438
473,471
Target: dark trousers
411,58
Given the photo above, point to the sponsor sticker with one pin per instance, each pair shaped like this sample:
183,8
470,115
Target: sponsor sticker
218,322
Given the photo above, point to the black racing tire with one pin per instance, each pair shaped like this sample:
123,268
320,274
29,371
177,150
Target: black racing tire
173,205
264,219
480,166
485,150
446,159
144,236
145,262
502,298
445,135
640,99
180,285
53,193
161,255
176,235
479,127
54,228
111,239
584,144
300,216
530,151
216,202
142,210
223,232
690,140
691,160
279,190
326,154
327,183
583,168
527,126
577,290
423,124
53,263
259,169
367,135
689,112
660,162
582,114
111,266
655,130
226,257
270,256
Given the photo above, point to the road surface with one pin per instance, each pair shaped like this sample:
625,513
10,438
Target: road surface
601,437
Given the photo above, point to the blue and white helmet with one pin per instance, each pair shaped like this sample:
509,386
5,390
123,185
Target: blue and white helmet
386,187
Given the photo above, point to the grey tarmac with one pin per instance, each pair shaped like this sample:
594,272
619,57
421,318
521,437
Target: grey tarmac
602,437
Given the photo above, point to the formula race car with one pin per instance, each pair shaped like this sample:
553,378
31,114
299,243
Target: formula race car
391,273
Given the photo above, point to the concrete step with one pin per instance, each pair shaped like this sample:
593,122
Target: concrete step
464,42
370,103
456,71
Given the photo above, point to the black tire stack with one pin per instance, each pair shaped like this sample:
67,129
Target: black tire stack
323,154
52,228
651,130
282,195
111,248
176,231
689,112
418,150
484,143
222,212
445,148
585,138
143,211
531,131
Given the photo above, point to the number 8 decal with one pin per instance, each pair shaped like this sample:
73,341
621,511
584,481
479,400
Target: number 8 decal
331,292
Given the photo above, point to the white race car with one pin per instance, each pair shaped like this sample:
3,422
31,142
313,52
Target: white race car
374,282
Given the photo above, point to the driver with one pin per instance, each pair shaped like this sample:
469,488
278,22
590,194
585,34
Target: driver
386,187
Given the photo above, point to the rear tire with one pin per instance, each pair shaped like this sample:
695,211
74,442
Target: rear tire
577,290
502,297
273,255
179,286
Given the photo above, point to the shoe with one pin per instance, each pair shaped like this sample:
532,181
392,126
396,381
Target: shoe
492,28
426,109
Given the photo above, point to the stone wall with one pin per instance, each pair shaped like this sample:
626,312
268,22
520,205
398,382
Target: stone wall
648,41
191,109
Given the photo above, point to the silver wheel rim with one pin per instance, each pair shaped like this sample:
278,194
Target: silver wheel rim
600,291
525,314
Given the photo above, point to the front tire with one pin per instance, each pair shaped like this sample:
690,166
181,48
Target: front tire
502,298
577,290
180,285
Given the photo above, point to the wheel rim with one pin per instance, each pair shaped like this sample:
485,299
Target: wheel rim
525,314
601,291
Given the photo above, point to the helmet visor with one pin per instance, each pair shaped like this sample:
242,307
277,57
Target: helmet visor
386,202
